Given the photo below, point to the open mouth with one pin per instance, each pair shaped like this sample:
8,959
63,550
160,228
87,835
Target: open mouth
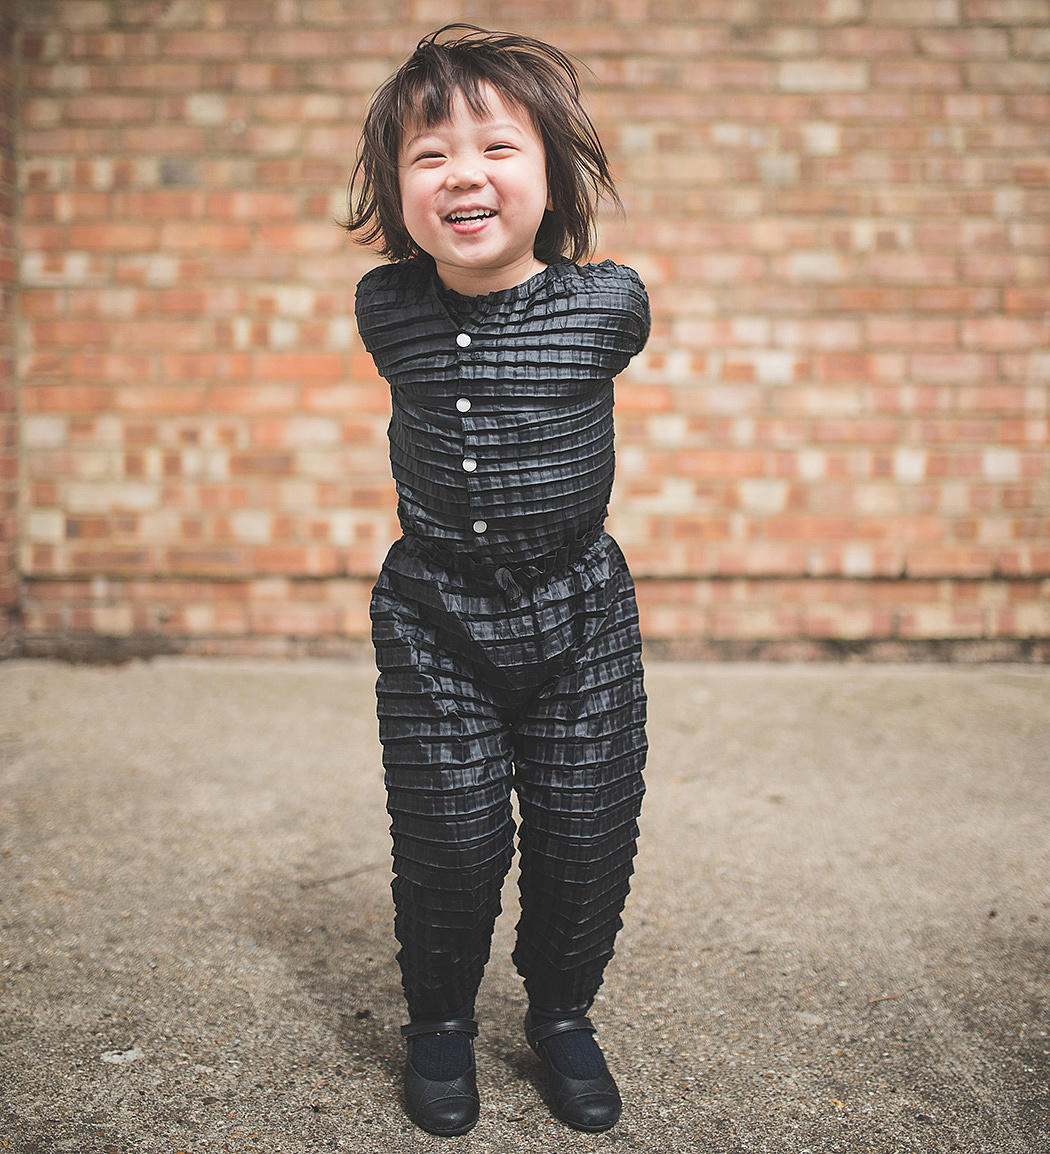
467,216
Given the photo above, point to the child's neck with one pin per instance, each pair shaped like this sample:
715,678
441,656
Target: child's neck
480,282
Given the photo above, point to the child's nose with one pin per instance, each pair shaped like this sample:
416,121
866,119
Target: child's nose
466,176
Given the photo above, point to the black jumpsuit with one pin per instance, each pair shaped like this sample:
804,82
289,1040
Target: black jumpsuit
505,625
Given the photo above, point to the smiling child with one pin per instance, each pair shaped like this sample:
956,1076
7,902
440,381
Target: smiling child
504,619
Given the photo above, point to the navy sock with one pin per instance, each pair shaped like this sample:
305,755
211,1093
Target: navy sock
442,1057
575,1054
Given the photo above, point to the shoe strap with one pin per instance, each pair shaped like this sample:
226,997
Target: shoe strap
540,1033
446,1026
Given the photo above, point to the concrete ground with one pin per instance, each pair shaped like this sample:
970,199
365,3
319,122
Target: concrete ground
838,938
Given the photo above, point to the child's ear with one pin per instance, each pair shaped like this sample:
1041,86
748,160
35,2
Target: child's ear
550,203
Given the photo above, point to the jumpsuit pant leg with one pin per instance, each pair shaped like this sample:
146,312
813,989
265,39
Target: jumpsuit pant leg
448,778
448,773
579,755
454,745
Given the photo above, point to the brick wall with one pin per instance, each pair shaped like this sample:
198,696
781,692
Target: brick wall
9,586
837,439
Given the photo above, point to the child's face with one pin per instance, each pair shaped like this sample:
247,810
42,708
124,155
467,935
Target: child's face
473,194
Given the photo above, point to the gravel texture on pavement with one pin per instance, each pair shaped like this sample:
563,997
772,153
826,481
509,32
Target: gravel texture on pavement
838,938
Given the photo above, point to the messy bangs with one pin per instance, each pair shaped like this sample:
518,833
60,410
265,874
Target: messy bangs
534,76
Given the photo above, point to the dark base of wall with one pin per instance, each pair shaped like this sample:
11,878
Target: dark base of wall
1029,651
97,649
11,634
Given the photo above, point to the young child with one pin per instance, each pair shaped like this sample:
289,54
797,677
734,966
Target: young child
504,619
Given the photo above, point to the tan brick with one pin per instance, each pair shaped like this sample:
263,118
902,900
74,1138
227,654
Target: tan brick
1031,42
820,11
966,43
823,75
1013,75
71,14
915,12
1008,12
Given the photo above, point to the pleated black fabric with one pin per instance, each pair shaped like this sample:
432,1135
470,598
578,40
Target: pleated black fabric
505,626
502,405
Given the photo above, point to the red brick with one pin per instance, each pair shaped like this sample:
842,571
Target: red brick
300,366
299,44
163,140
122,236
226,44
1008,12
867,41
842,273
1005,333
108,109
107,367
913,268
65,398
874,107
204,236
251,205
157,76
111,45
159,204
71,333
923,75
912,332
1030,107
216,368
1027,300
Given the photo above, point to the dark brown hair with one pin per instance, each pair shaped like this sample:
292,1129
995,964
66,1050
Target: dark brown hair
526,72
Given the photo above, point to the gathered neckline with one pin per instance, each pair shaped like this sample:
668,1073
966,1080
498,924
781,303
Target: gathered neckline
466,302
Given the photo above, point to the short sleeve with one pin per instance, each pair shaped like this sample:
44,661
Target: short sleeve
641,316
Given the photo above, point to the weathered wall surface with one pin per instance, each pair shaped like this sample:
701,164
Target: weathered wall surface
9,585
837,436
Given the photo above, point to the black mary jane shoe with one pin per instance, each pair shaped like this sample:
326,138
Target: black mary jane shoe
439,1106
591,1104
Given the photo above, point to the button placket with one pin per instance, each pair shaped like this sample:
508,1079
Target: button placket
470,467
469,463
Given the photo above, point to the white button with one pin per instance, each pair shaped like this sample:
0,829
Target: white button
469,464
481,526
463,340
463,404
